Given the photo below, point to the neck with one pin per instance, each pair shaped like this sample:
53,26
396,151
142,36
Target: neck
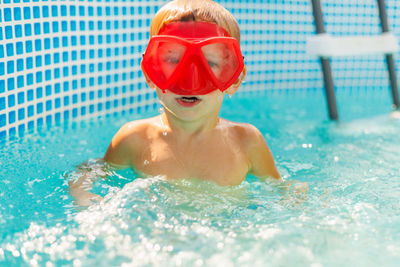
183,128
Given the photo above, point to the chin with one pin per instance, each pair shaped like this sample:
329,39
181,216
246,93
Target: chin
187,115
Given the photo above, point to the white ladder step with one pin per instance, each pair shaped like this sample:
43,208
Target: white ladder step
325,45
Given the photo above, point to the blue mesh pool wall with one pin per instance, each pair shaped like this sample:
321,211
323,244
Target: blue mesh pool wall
66,60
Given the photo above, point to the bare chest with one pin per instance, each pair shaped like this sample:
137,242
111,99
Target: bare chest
223,162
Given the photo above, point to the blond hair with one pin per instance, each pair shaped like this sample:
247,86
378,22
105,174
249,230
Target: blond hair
195,10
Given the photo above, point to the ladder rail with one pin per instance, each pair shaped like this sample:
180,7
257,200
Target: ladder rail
389,57
325,64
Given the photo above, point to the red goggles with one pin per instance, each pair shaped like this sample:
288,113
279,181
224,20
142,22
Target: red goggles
192,58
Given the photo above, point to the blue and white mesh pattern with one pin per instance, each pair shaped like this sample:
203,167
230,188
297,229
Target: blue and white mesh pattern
273,43
63,60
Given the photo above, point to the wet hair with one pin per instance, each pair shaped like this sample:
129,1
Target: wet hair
195,10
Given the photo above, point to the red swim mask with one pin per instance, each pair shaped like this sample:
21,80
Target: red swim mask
192,58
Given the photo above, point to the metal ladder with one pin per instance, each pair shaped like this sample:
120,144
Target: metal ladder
385,43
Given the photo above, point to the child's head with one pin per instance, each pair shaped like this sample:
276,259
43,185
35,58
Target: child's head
194,49
195,10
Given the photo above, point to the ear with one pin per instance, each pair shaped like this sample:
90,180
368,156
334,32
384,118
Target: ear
235,86
148,81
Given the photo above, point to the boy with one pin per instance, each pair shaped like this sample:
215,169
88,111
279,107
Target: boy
192,59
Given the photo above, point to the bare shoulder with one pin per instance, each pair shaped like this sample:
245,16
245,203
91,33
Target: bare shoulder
246,132
127,142
134,130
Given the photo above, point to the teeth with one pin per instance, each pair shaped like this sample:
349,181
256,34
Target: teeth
189,99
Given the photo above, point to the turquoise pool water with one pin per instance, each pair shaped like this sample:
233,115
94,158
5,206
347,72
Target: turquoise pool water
351,216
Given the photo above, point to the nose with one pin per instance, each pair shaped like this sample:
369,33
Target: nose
191,78
195,77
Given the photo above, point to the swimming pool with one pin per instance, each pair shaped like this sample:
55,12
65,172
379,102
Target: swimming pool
351,216
64,62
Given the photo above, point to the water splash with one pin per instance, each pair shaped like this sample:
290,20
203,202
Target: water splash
151,222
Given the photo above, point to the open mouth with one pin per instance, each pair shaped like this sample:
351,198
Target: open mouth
188,101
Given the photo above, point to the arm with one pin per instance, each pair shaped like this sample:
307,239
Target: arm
262,163
263,166
81,181
116,157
